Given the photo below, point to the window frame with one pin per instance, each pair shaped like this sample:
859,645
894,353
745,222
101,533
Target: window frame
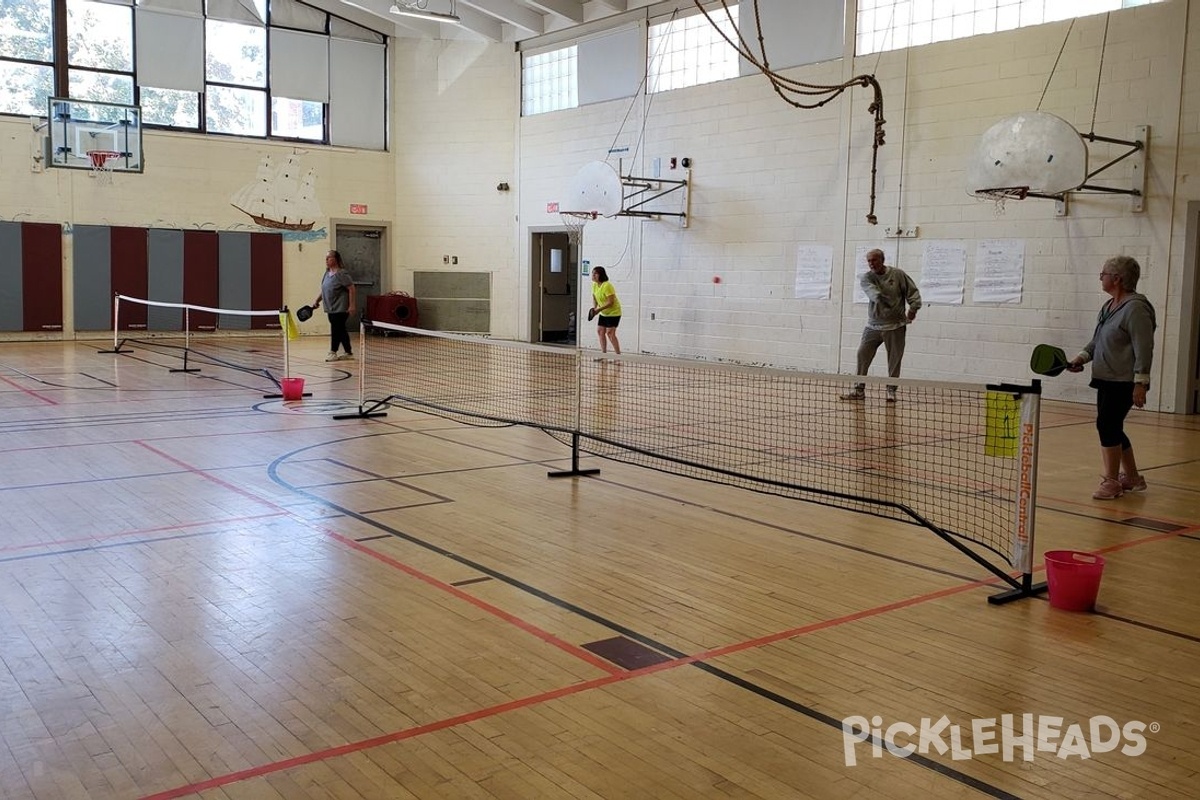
64,72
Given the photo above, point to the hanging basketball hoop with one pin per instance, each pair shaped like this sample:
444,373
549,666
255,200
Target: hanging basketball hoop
999,196
575,222
102,163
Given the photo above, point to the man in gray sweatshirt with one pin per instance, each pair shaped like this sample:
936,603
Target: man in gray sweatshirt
892,303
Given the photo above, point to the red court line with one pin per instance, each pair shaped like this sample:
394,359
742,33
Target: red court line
512,705
29,392
525,702
528,627
583,655
140,532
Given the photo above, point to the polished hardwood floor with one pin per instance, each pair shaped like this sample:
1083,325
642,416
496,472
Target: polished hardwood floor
208,593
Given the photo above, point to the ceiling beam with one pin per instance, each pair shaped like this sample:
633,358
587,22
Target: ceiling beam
507,11
571,10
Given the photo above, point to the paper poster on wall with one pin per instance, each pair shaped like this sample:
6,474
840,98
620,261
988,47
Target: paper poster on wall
814,271
943,273
860,266
999,271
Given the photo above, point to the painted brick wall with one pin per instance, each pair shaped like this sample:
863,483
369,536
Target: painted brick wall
768,178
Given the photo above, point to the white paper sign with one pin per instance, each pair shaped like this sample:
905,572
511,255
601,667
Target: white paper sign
943,273
814,271
999,271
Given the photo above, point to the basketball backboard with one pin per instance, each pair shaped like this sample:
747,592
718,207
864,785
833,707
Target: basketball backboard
80,127
1035,151
595,188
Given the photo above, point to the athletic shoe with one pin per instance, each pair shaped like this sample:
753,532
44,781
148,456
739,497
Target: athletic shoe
1109,489
891,394
346,357
331,357
1129,484
857,394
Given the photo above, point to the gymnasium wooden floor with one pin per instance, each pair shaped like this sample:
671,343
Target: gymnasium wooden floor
205,593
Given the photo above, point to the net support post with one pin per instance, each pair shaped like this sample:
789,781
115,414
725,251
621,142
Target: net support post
1029,428
185,367
116,348
364,412
574,470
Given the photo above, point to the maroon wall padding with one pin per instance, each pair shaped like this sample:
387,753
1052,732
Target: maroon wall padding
266,276
201,275
41,275
130,270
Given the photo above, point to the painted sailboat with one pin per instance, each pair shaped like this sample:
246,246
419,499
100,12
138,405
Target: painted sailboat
279,197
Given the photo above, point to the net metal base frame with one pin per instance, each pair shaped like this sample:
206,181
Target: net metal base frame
957,460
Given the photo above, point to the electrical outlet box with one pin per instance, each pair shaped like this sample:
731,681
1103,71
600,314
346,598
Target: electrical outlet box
901,233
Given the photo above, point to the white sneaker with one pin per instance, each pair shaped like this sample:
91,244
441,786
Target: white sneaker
346,357
331,357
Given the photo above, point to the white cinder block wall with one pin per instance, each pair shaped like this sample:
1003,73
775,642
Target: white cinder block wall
767,178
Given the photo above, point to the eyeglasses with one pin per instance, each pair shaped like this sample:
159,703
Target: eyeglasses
1108,274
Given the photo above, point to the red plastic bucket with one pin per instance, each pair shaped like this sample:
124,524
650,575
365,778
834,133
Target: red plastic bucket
293,388
1073,579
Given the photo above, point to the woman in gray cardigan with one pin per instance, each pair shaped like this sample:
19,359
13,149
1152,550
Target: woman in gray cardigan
1121,351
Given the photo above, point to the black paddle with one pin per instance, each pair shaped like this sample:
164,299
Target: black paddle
1048,360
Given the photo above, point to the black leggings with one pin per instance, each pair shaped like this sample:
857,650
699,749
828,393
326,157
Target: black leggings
337,331
1113,401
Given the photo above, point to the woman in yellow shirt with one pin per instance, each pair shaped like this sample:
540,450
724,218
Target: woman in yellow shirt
608,307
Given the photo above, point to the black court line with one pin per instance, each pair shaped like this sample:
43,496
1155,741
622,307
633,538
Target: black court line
1145,523
948,772
470,581
1148,626
793,532
374,538
812,713
1153,524
94,547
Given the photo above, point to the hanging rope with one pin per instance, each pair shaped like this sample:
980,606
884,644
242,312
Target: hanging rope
1099,74
1046,88
784,87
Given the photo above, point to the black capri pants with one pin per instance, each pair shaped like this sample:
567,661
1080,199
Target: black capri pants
1113,401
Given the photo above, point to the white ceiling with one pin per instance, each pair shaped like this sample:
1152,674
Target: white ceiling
491,20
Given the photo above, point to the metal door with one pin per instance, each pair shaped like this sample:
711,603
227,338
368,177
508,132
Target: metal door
362,251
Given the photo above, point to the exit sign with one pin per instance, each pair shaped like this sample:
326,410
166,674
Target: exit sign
358,208
551,208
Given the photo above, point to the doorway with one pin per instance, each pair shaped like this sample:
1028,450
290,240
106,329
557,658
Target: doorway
555,284
363,249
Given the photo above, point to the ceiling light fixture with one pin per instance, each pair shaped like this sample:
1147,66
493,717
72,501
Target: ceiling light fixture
417,10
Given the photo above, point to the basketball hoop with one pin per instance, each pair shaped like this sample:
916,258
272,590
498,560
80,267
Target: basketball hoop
1001,195
101,161
575,222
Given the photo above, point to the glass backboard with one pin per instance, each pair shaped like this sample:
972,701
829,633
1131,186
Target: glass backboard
80,127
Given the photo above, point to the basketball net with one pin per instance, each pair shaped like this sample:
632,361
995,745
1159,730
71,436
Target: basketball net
575,222
102,166
1001,195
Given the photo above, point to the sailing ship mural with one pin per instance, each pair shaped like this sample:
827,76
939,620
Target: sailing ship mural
279,197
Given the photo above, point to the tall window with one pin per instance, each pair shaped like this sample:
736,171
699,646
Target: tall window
26,56
100,52
688,51
235,69
245,67
895,24
549,81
